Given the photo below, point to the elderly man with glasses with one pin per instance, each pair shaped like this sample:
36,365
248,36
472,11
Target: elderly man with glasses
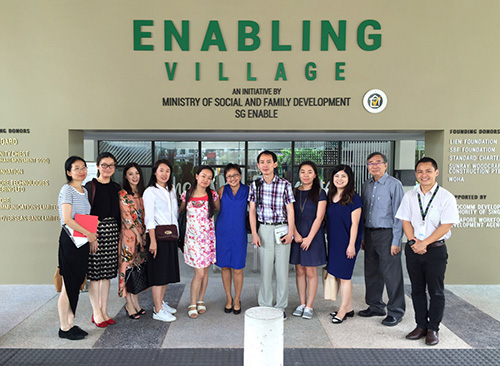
382,195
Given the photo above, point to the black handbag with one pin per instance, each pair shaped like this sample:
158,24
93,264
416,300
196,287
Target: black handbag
136,278
182,230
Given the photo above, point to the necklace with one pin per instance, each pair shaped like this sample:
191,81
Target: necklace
302,206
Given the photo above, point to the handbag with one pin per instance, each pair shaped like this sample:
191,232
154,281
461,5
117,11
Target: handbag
58,280
330,285
166,233
182,230
136,278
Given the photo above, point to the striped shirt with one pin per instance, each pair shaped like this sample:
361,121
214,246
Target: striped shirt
79,201
274,197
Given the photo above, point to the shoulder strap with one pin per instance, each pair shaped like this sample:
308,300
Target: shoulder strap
258,184
92,183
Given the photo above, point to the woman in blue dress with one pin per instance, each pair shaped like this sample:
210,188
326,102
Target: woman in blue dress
344,235
308,249
231,235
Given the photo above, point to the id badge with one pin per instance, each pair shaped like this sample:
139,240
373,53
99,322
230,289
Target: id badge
421,231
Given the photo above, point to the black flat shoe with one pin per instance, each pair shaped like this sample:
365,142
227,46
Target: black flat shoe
236,312
350,314
79,330
71,334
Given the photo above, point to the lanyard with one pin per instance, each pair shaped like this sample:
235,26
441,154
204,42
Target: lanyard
424,214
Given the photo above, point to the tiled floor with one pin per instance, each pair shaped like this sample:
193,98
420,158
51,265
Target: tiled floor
29,323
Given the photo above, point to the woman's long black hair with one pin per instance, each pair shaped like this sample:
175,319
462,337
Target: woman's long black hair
126,184
170,181
211,204
348,193
316,186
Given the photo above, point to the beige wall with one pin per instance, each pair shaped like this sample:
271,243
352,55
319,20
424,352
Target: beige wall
71,66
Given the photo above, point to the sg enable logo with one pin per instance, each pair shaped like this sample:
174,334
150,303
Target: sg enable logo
375,101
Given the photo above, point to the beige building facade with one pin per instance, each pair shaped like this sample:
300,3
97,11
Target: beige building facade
76,73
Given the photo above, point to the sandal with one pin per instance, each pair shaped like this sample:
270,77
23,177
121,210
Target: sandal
192,311
141,312
200,306
132,316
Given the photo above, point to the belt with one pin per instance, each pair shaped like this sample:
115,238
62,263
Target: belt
436,244
378,228
274,223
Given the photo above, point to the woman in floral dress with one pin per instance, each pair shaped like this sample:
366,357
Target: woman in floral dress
132,239
199,244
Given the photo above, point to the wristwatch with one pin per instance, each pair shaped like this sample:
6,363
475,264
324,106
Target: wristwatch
411,242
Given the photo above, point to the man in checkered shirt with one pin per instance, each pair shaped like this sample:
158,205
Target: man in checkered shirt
271,205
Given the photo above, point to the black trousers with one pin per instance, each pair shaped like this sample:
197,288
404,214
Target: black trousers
382,268
427,275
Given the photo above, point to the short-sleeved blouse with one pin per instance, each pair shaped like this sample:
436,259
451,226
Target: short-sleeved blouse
79,201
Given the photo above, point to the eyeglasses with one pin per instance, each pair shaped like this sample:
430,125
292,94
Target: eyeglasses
232,176
375,163
78,170
106,166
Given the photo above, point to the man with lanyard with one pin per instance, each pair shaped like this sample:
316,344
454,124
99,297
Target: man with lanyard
271,204
382,195
428,213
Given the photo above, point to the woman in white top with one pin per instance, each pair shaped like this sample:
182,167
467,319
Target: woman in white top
160,207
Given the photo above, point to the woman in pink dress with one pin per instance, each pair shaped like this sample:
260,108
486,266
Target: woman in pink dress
132,238
199,244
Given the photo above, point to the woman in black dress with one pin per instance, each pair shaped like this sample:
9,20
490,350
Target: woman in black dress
103,265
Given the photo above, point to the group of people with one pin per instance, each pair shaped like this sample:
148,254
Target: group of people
287,225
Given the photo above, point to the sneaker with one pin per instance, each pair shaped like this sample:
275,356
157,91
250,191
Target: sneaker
168,308
284,315
308,313
164,316
299,311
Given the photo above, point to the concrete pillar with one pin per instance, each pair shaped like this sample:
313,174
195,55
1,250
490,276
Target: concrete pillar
263,345
404,156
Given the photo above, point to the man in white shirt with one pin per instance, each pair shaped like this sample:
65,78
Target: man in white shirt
428,213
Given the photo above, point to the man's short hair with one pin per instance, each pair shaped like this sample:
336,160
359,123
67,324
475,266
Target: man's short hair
426,159
375,154
267,152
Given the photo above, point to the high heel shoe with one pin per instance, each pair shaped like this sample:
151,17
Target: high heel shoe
110,321
337,320
350,314
104,324
229,310
237,311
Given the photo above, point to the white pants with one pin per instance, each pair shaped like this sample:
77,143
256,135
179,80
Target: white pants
273,256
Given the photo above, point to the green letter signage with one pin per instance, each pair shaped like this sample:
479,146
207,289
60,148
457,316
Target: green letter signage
376,38
172,32
213,29
139,35
243,35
